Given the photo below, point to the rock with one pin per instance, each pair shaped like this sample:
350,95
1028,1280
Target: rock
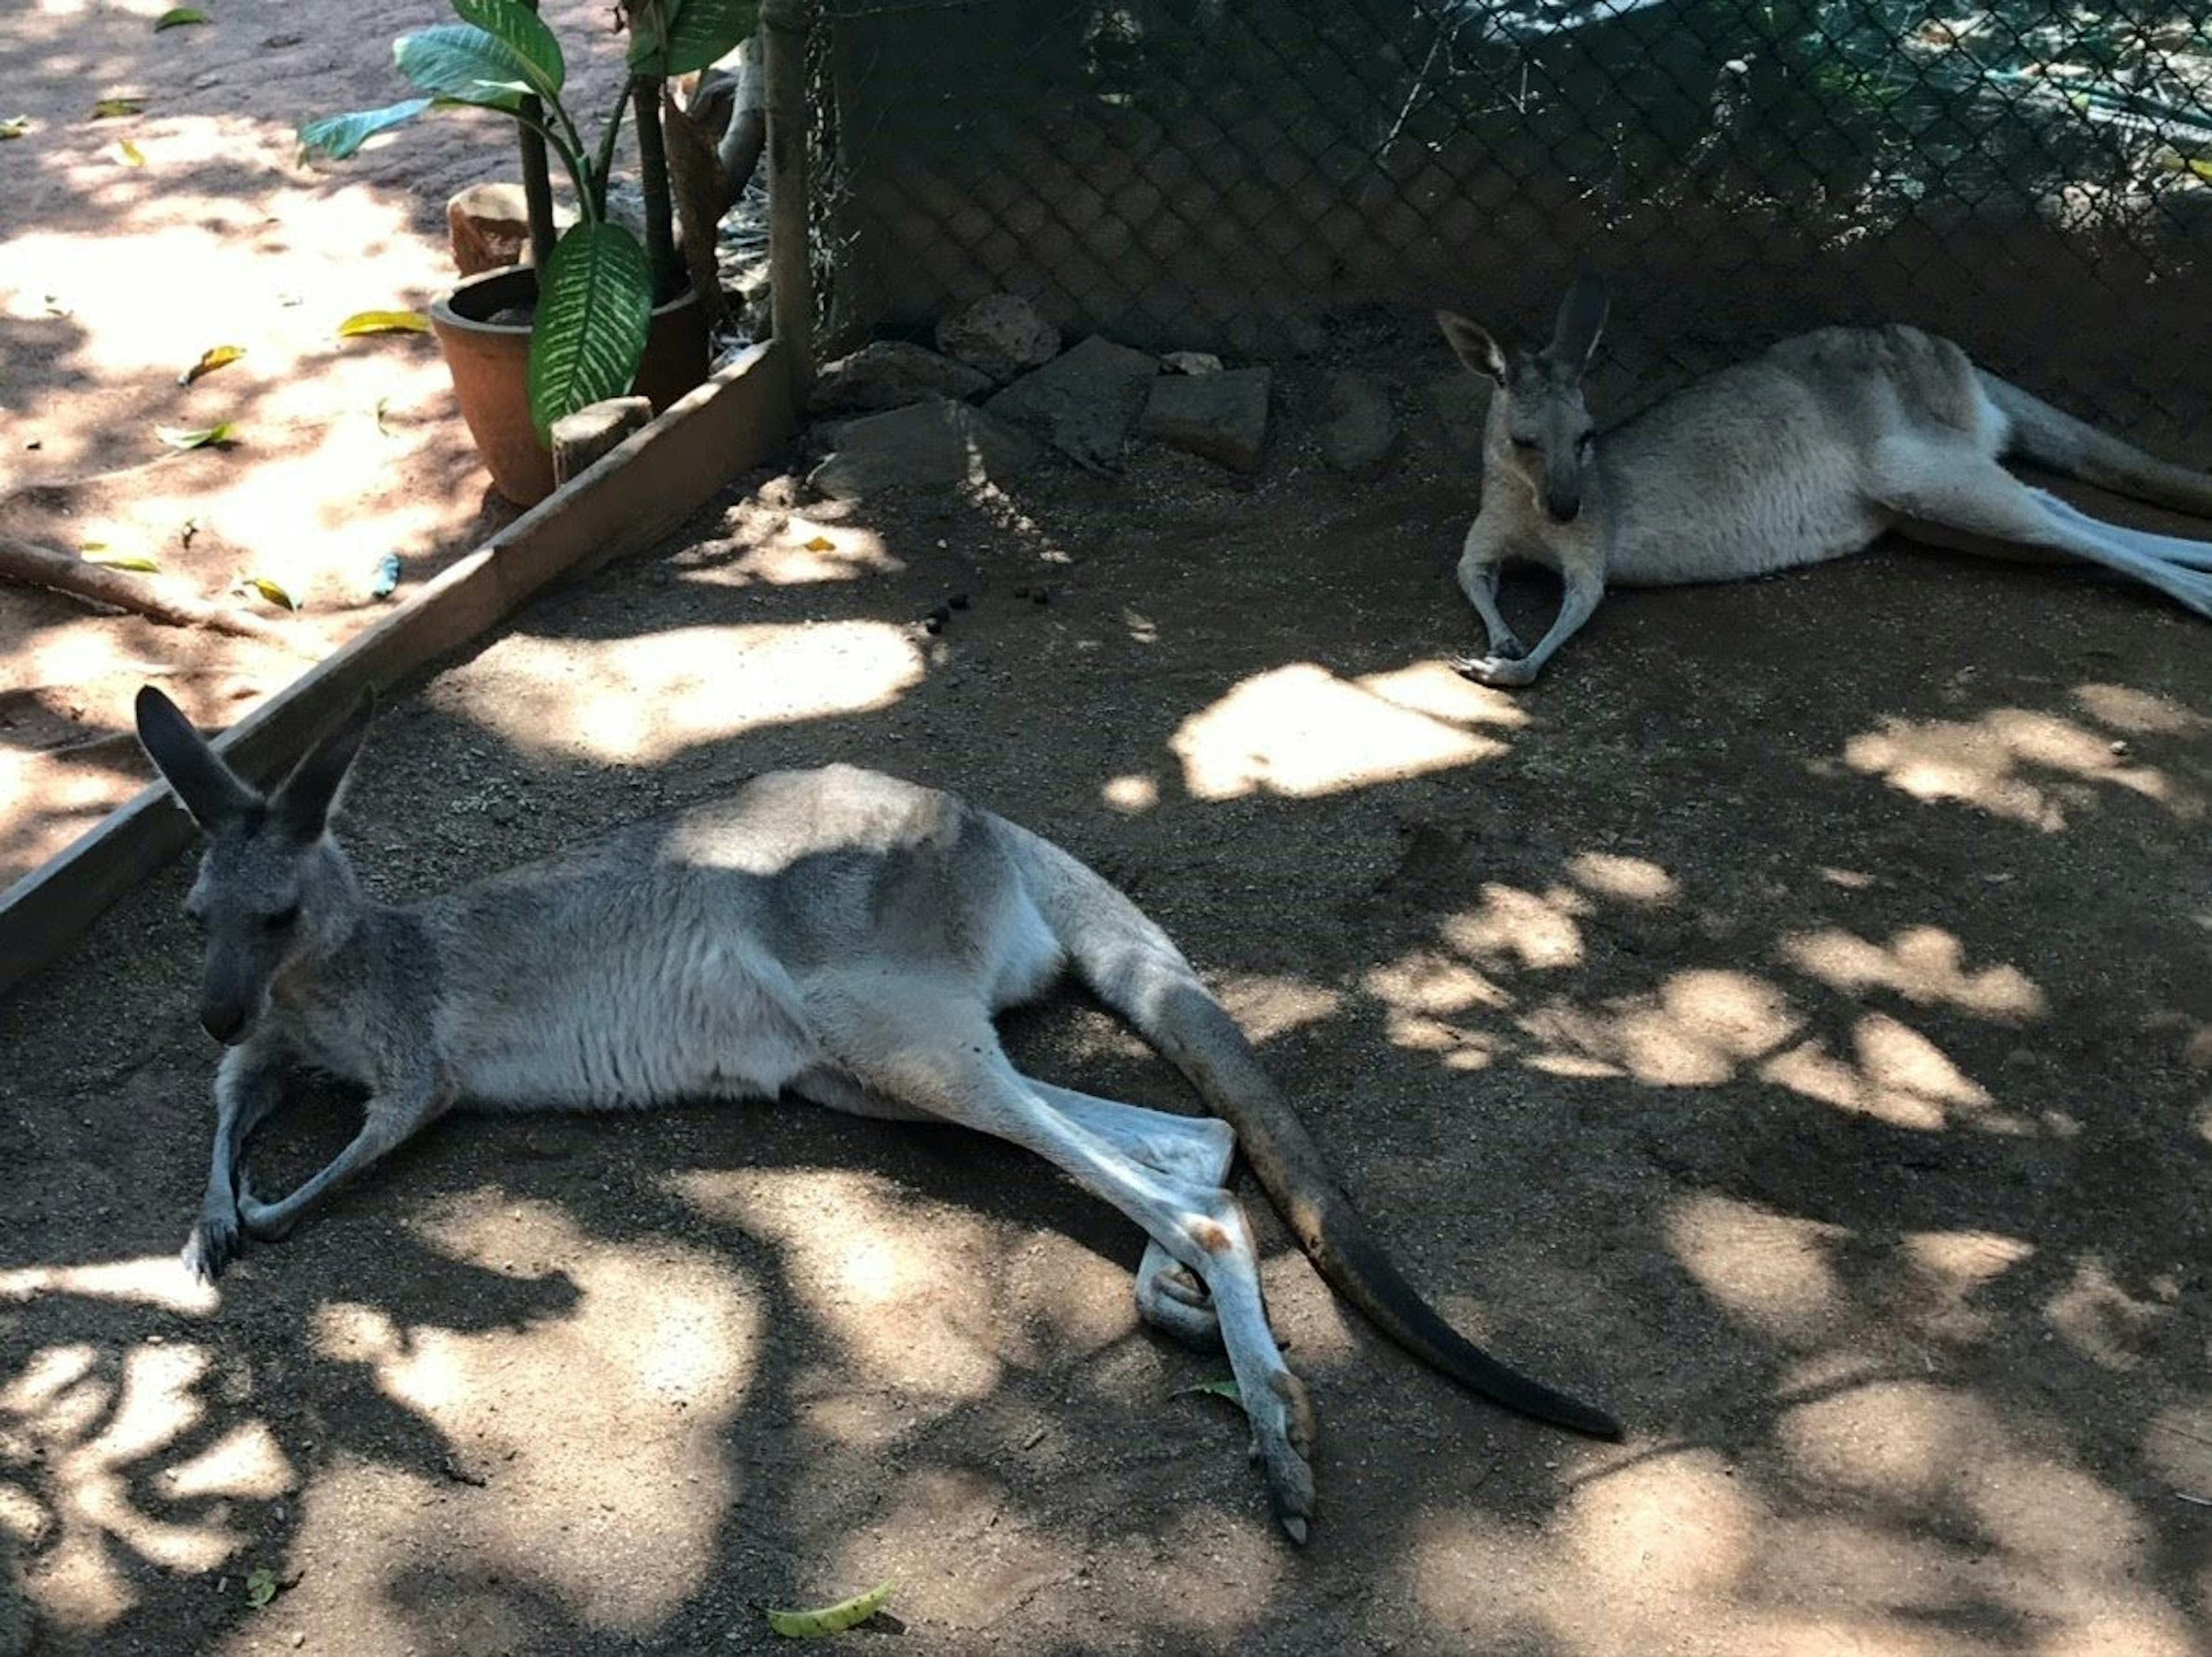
1362,431
580,439
890,374
488,225
933,442
1223,416
1192,362
1461,401
1001,334
1083,401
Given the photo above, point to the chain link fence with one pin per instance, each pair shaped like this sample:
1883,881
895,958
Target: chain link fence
2033,178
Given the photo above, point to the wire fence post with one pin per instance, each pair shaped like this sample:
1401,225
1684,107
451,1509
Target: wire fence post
791,297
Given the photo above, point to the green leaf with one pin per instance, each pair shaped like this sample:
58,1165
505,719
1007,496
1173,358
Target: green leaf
1227,1389
595,306
831,1619
698,32
114,109
274,592
523,32
462,63
15,126
177,16
384,322
261,1586
179,437
338,135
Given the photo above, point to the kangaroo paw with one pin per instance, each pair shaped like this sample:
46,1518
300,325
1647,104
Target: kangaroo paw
1283,1433
1500,672
213,1243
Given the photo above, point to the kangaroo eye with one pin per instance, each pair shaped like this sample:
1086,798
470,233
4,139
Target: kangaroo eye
282,920
1524,442
1587,441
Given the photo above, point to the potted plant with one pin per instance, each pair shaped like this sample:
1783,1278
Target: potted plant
530,344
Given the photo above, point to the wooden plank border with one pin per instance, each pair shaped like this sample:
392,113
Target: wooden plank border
624,504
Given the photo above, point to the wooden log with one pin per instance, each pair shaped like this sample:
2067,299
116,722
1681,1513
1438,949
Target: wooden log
595,431
33,565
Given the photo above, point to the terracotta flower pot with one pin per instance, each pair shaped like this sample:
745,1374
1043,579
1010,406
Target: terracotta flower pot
490,364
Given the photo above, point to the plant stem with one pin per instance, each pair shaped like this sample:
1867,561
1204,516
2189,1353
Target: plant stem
652,177
536,182
607,149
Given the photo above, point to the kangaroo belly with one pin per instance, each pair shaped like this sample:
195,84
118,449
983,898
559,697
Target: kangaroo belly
711,1022
1783,525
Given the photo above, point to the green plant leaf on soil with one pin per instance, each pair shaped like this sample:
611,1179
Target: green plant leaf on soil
261,1586
338,135
114,109
698,32
210,359
388,577
15,126
130,155
831,1619
96,552
1227,1389
588,336
523,32
182,437
384,322
177,17
272,591
462,63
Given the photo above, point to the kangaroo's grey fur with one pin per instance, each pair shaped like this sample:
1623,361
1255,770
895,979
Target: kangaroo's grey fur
1807,453
834,935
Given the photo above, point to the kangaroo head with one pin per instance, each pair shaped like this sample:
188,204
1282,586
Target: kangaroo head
273,890
1540,430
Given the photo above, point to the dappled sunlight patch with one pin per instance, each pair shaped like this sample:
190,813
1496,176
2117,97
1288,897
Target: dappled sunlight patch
1952,1268
1698,1030
782,551
2137,712
157,1280
1624,879
2177,1446
1267,1006
960,1558
1925,964
1303,732
1989,761
97,1448
2100,1320
1773,1272
1131,795
1904,1442
600,1430
1427,982
643,700
923,1305
1674,1525
1899,1077
1536,932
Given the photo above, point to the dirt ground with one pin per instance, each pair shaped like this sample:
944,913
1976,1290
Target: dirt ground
116,275
1789,1025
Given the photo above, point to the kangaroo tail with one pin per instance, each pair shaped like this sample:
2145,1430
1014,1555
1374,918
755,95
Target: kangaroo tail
2050,437
1131,966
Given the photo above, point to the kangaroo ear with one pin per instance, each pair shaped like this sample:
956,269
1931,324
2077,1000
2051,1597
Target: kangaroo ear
1582,320
206,787
1472,345
302,803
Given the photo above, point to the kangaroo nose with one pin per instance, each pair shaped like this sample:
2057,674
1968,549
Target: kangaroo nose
1564,509
226,1023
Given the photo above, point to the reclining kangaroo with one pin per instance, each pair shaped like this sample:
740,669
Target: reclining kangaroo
1809,452
834,935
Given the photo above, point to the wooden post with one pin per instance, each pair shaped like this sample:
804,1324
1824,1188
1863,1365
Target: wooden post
791,288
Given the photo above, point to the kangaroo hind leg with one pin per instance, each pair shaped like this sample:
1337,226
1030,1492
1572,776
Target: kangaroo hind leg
1170,1296
2170,548
939,1052
1963,499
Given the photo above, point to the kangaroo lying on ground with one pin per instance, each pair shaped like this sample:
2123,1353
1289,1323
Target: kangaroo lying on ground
835,935
1809,452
